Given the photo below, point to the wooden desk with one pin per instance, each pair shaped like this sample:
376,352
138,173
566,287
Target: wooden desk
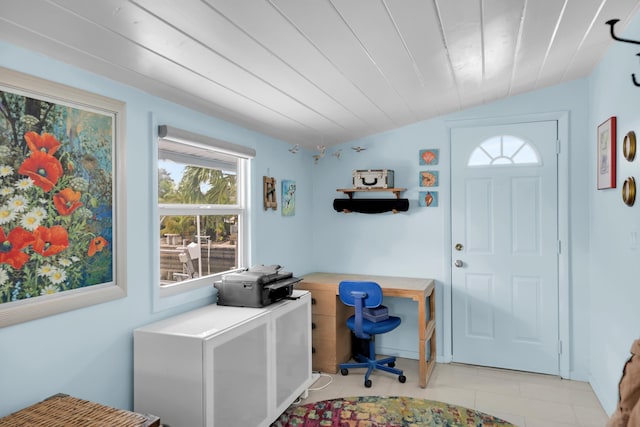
404,287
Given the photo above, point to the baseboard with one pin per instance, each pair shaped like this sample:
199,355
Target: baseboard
391,351
408,354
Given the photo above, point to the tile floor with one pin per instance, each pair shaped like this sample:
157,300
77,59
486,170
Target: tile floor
524,399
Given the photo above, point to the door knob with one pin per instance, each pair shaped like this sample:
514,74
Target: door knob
458,263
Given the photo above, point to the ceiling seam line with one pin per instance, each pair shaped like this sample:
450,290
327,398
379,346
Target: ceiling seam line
416,69
146,77
368,54
482,52
446,49
517,47
583,39
338,69
228,60
551,41
162,56
362,120
414,64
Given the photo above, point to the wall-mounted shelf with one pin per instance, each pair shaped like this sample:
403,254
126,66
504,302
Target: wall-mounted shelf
371,206
349,191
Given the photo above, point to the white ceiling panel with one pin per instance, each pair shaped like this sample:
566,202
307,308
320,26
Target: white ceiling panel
332,35
323,72
501,23
462,27
420,27
575,25
290,46
540,21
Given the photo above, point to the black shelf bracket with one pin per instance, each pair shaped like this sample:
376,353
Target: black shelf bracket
612,23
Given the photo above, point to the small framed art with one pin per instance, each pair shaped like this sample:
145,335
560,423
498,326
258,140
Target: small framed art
428,199
288,197
429,156
429,178
607,154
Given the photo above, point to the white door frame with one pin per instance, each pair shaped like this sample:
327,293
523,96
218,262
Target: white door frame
562,118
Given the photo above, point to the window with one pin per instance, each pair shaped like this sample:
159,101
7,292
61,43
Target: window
504,150
202,203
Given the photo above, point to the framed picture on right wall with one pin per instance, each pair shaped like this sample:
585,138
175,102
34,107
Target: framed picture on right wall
606,152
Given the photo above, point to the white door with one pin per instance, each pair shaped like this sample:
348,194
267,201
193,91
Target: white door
505,246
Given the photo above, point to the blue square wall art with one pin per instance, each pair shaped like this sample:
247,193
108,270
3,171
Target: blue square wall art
428,199
430,156
428,179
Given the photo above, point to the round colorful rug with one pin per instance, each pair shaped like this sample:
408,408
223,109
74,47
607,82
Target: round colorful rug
374,411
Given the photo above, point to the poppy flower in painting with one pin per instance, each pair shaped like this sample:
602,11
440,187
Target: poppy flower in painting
46,143
11,246
50,241
97,245
67,201
43,169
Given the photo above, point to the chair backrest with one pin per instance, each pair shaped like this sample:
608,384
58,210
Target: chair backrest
360,295
373,293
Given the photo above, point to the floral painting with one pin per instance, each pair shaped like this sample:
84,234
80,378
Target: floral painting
56,197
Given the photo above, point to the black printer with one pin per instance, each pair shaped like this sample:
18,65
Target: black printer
257,286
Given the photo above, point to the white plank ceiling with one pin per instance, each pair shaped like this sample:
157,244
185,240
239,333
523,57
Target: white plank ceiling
323,72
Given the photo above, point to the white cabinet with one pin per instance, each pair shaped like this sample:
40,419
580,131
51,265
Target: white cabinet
221,366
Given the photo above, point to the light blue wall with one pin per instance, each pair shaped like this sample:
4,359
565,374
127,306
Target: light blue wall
417,242
88,352
284,240
613,258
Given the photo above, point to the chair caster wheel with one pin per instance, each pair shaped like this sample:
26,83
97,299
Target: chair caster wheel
392,364
402,379
344,371
367,383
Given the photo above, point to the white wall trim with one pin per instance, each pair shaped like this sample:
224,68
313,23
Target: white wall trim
564,267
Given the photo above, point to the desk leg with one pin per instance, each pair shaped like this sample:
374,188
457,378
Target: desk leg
422,334
426,332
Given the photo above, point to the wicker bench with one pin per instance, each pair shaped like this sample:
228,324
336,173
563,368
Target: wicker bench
62,410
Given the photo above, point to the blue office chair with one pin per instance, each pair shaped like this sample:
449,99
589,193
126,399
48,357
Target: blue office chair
367,295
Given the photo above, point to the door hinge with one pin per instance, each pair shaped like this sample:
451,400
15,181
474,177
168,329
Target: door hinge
557,146
559,347
559,247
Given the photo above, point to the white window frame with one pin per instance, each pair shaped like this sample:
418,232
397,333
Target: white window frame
240,209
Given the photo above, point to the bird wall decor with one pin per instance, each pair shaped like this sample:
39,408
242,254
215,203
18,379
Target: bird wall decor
294,149
321,151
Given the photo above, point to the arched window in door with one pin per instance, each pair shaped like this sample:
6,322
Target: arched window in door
504,150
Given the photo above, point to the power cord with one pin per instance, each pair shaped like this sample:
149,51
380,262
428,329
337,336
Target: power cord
306,392
324,386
